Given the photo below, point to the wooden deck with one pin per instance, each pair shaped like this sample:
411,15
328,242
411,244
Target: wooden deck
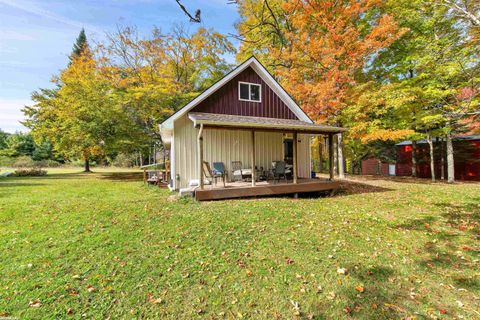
263,188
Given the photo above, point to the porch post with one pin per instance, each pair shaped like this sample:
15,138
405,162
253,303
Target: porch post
295,161
330,155
200,157
254,172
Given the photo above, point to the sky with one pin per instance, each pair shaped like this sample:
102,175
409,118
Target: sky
36,37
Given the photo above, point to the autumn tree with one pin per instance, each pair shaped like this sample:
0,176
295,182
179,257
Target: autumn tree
316,48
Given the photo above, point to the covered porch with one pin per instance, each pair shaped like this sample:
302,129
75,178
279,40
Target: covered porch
260,181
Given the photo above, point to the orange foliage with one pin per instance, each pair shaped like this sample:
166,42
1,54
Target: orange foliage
330,41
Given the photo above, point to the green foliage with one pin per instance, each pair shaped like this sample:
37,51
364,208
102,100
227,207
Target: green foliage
80,45
18,144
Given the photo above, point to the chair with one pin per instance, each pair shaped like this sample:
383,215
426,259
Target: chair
213,175
219,171
239,172
154,177
279,169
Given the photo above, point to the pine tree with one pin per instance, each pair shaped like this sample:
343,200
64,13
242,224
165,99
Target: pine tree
80,45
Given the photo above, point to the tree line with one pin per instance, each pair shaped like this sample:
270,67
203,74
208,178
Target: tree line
387,70
111,97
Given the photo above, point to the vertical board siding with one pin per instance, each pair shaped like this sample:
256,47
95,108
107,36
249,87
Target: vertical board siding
226,100
304,159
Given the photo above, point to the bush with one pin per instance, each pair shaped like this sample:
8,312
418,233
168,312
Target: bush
30,172
47,164
23,162
6,161
124,160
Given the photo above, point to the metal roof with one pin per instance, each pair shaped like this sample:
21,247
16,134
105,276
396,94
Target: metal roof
234,121
462,138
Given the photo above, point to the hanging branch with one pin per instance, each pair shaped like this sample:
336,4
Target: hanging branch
197,17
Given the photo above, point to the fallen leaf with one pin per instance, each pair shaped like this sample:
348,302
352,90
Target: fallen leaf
341,270
91,288
360,289
35,304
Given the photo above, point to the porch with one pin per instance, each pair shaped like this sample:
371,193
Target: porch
244,189
258,181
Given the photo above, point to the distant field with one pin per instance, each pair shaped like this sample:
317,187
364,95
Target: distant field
104,245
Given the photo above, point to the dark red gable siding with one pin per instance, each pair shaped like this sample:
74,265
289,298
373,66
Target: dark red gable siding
226,101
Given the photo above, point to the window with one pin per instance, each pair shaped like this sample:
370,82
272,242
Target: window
249,92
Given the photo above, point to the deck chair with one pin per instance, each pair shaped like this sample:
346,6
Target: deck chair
279,170
153,177
213,175
238,173
219,171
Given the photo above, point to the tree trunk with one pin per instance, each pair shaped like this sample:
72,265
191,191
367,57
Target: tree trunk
432,157
341,165
87,165
450,160
442,159
414,159
335,155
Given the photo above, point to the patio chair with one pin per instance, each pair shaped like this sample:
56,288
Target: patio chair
153,177
279,170
219,171
238,173
213,175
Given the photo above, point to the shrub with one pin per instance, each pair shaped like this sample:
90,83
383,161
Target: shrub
47,164
30,172
124,160
6,161
23,162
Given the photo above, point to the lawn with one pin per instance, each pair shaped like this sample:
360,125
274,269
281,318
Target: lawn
104,245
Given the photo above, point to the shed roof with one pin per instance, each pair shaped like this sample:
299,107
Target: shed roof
458,138
247,122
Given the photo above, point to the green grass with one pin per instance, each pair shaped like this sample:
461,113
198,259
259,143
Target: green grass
104,245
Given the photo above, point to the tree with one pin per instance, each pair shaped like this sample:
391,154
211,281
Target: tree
80,46
18,144
3,139
317,48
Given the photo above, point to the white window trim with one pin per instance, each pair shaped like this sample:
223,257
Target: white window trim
249,86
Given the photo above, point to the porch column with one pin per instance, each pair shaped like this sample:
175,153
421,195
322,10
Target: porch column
295,161
330,155
254,172
200,157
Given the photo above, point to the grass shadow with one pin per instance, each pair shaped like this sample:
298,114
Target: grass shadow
122,176
348,187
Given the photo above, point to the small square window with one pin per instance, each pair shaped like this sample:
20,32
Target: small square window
249,91
244,91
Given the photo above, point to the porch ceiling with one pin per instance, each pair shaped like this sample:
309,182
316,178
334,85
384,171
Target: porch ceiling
259,123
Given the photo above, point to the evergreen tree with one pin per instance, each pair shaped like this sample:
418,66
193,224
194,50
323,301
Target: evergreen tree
80,45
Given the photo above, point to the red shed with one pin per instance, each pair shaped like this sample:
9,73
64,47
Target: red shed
466,155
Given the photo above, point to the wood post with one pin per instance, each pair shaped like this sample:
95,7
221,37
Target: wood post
200,157
144,176
330,155
295,161
254,171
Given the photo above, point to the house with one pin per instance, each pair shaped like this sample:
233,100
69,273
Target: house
249,123
466,158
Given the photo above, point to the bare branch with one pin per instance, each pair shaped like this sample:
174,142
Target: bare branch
197,17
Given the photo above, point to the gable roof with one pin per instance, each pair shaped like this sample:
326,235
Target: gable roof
262,72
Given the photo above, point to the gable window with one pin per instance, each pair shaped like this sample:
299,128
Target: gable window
249,91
